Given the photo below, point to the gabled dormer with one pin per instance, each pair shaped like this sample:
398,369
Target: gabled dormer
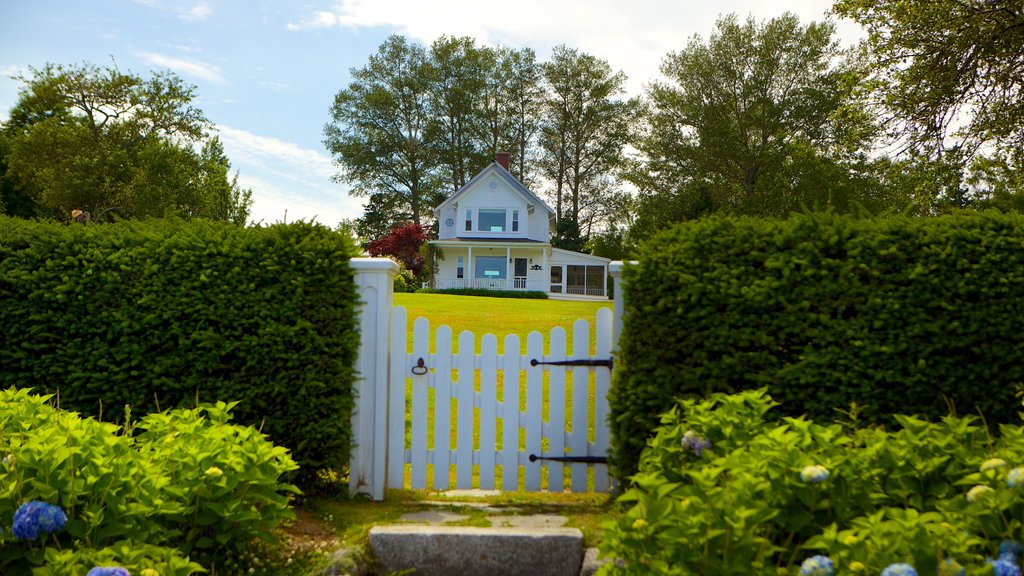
494,205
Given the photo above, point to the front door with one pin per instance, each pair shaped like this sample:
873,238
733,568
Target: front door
520,274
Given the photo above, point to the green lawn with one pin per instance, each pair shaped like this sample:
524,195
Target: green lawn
498,316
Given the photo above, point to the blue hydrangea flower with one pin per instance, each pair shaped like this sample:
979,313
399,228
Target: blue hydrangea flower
695,443
814,474
108,571
34,517
1004,566
817,566
899,569
1015,478
1009,548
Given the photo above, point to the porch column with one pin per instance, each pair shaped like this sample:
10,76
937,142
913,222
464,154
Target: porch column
509,272
375,286
606,281
470,273
546,277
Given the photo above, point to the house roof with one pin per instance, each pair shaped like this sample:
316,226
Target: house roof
498,169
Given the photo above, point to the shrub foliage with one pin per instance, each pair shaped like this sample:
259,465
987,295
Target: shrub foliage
178,484
726,489
488,293
159,314
896,315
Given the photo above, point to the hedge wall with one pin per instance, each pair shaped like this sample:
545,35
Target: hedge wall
896,315
162,313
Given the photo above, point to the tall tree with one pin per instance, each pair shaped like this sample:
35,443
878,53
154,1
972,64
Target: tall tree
756,119
586,125
948,81
460,82
379,127
950,72
90,138
511,109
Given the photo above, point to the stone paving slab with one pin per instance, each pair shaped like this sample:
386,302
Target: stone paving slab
446,550
528,521
432,517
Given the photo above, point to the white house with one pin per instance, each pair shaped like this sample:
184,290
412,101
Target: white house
495,233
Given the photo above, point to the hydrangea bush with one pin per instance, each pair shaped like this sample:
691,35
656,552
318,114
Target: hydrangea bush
173,493
790,496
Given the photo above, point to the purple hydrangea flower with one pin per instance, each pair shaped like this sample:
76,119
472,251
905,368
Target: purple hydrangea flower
817,566
108,571
34,517
1004,566
694,442
899,569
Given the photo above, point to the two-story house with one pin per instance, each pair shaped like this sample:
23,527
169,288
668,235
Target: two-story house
495,233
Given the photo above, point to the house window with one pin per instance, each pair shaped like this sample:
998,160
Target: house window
459,270
491,220
515,220
491,267
469,220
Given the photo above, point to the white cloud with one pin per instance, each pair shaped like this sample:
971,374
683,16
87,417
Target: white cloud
200,11
633,36
286,178
259,148
183,66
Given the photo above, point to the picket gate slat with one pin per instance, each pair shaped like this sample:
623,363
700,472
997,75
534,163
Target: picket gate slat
556,410
421,341
603,382
396,400
534,407
442,407
464,426
510,414
580,404
488,409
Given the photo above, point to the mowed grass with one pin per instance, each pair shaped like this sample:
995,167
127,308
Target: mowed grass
499,316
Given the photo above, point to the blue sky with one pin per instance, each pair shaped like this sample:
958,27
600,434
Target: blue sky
266,71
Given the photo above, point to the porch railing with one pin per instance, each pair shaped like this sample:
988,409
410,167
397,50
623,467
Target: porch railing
510,284
485,283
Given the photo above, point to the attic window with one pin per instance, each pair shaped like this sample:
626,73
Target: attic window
515,220
469,220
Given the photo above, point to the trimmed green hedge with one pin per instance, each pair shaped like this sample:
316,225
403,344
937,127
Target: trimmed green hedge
900,316
521,294
161,314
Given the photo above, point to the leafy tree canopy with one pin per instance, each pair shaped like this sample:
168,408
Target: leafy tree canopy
403,243
84,137
948,72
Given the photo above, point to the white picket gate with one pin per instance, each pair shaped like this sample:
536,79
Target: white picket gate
477,394
391,399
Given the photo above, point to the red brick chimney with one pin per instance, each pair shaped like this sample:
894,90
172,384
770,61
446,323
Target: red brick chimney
502,158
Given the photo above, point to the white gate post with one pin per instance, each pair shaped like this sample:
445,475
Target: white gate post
375,286
615,271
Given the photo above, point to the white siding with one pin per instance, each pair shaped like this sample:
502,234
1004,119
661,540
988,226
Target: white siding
493,191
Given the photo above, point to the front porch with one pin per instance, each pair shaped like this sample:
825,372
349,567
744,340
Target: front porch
520,266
